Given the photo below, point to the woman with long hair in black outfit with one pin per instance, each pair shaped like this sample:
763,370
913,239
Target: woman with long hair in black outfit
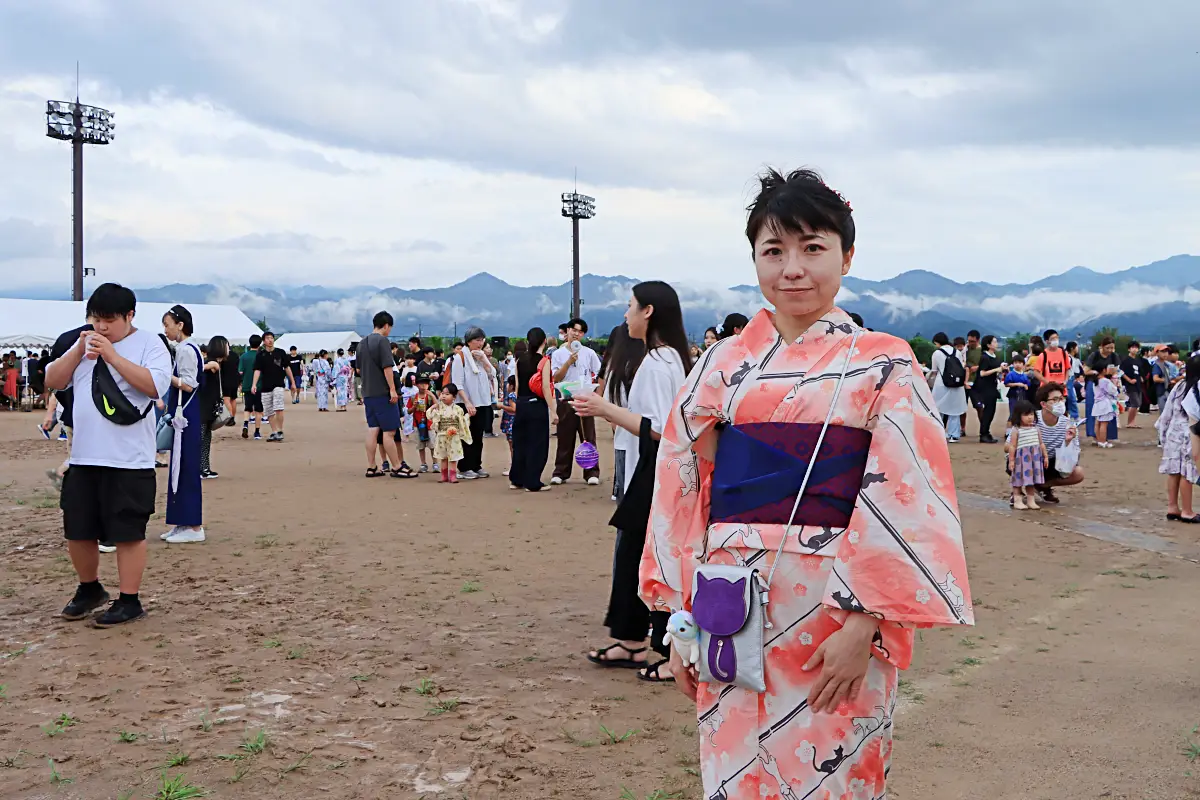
654,317
531,422
212,396
621,360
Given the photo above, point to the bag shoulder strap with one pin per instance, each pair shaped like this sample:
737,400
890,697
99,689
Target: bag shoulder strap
812,461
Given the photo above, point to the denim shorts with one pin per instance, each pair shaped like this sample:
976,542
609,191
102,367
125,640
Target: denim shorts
382,413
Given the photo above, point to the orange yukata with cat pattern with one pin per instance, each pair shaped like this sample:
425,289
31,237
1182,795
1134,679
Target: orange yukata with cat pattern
898,555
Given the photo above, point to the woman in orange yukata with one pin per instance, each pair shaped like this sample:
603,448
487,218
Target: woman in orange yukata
876,542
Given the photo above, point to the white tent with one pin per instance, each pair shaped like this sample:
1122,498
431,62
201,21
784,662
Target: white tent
313,343
40,321
25,341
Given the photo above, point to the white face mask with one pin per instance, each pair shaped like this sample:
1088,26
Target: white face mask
1054,343
1059,408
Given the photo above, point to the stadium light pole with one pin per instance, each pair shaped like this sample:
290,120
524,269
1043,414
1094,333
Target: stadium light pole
576,206
78,124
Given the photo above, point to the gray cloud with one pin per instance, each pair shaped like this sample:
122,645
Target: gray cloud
282,240
22,238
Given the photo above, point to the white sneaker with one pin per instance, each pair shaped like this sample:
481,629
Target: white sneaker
468,475
168,533
107,548
593,481
505,473
556,481
482,474
186,536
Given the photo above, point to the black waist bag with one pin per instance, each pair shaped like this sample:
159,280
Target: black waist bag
110,401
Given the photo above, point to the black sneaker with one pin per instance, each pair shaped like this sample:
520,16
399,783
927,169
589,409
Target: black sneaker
257,435
118,614
208,476
85,602
246,430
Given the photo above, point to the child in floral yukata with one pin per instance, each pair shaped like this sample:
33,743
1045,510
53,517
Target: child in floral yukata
449,428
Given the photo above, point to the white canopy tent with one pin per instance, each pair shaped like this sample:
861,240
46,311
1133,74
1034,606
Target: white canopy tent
313,343
25,341
40,322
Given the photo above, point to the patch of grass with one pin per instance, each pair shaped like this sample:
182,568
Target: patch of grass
295,653
236,554
55,778
206,722
257,744
470,587
263,541
1120,573
613,738
338,765
909,691
128,737
967,641
231,757
657,794
178,760
1128,586
1069,591
15,653
1043,650
1148,577
443,707
60,725
3,691
362,678
7,591
12,762
236,679
272,643
971,661
426,687
177,788
576,740
937,744
297,766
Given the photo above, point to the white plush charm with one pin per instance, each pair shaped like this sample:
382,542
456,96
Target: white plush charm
683,634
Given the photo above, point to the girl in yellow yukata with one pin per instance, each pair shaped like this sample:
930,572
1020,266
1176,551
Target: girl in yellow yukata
875,545
449,428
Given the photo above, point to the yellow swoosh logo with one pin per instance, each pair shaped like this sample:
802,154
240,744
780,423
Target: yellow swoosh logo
107,408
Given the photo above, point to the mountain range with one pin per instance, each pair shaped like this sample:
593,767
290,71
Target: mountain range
1155,302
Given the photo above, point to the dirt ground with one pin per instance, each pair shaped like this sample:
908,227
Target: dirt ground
396,639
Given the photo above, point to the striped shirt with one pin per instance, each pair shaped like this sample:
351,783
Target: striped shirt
1055,436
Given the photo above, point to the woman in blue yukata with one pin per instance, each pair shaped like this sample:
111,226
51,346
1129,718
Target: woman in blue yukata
184,496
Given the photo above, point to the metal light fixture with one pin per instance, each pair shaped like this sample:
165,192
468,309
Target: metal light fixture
78,124
576,206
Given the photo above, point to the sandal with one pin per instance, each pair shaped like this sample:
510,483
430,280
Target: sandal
373,472
651,675
1190,520
400,473
1174,517
407,470
622,663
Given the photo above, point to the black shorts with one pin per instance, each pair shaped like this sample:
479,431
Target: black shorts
254,401
107,504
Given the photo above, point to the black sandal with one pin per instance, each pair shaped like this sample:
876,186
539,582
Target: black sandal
651,673
373,472
400,473
621,663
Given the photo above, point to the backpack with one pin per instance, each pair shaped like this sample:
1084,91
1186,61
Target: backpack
535,380
954,374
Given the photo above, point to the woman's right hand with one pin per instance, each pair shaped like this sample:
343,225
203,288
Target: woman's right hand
685,676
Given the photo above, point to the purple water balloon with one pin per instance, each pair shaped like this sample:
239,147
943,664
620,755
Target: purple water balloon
587,456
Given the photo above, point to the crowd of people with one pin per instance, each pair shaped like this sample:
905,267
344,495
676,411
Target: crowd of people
740,465
1054,390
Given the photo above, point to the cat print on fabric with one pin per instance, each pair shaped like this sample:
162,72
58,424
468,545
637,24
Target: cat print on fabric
772,767
830,765
689,475
819,540
951,589
865,726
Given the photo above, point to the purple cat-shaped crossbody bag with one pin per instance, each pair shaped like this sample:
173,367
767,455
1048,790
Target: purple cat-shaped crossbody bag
729,602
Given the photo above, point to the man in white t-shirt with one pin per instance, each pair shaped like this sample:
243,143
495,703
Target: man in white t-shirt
574,362
109,489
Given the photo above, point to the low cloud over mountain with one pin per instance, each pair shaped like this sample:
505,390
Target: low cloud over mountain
1159,301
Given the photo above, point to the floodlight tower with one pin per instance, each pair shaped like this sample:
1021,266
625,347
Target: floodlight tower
576,206
79,125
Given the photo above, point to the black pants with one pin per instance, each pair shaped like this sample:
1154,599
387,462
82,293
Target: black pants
628,618
205,446
472,460
530,442
571,426
987,413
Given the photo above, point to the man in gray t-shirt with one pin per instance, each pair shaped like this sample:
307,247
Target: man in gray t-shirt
380,397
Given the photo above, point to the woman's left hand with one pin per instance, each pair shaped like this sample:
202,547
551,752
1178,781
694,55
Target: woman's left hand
589,405
843,658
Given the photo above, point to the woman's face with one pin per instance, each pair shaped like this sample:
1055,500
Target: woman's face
800,273
710,338
172,329
991,348
637,318
476,344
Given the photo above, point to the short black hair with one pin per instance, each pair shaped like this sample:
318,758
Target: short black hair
415,340
1072,345
959,341
1046,334
972,333
941,339
1020,409
110,300
1046,389
293,347
458,343
1134,343
799,202
577,321
381,319
450,387
734,320
858,320
268,333
986,341
255,341
426,349
439,352
1106,341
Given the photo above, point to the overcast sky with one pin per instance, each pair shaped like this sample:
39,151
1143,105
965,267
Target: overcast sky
415,142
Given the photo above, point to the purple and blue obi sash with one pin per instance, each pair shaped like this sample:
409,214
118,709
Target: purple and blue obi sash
759,467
